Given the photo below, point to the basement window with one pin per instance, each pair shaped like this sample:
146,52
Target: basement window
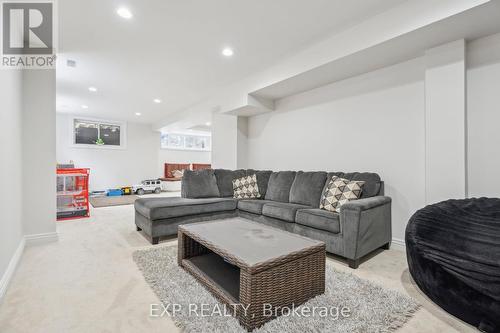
179,141
92,133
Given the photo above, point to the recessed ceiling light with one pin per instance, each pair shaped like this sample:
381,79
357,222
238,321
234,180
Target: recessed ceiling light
85,106
92,89
157,100
227,52
138,114
208,124
124,12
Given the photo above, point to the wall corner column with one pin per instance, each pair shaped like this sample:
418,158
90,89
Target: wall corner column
445,122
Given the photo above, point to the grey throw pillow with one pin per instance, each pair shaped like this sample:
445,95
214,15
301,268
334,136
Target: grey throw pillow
199,184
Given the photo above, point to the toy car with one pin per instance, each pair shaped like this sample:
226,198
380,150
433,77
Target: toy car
126,190
152,186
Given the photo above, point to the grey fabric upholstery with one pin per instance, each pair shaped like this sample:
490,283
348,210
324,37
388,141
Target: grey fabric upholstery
262,180
319,219
372,182
225,180
168,227
270,221
252,206
281,210
365,225
334,242
361,226
280,183
372,186
164,208
307,188
199,184
365,204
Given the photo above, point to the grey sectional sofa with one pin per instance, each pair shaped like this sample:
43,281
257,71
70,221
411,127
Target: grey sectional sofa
290,201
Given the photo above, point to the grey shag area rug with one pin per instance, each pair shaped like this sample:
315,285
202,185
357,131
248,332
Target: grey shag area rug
372,308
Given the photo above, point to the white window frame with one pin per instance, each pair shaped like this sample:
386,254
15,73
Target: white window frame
123,133
184,139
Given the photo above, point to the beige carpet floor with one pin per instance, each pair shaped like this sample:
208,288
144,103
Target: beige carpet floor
98,202
87,282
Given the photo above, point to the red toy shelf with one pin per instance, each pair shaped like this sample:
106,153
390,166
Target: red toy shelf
72,193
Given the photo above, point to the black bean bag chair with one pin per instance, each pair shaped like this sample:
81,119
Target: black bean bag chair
453,251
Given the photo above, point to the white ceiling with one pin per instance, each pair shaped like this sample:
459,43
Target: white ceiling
171,49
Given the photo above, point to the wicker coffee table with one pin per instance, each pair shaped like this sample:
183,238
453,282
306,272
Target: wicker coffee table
255,266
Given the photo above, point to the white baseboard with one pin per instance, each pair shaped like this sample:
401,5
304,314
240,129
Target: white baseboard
41,238
11,268
398,244
14,261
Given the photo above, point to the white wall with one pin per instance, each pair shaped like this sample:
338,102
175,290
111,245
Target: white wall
224,141
39,151
10,166
374,122
483,113
406,122
242,143
445,122
111,168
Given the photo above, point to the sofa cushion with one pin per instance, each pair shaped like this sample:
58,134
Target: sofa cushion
281,210
372,182
262,179
319,219
307,188
199,184
225,180
252,206
164,208
278,188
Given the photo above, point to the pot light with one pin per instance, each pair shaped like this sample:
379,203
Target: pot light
227,52
157,100
92,89
85,106
208,124
138,114
124,12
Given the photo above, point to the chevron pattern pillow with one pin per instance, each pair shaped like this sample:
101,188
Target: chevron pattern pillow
246,187
338,192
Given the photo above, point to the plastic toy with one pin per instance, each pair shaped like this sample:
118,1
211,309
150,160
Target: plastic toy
72,193
126,190
114,192
151,186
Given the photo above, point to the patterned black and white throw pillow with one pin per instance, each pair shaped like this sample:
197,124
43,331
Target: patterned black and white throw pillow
338,192
246,187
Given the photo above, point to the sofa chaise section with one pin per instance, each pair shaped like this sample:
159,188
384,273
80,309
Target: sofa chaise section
161,216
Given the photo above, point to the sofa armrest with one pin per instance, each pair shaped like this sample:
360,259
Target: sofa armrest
365,204
365,225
